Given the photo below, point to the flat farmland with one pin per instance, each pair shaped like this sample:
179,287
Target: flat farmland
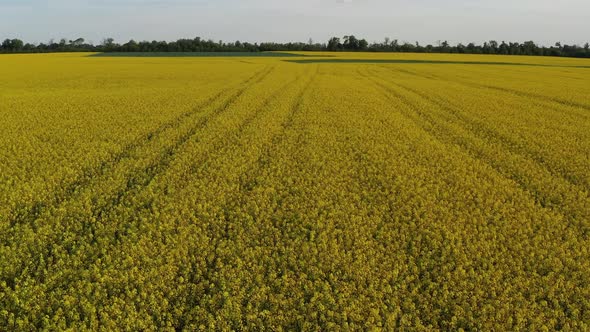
347,191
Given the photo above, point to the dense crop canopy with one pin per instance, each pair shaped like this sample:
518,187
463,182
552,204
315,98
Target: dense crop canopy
252,193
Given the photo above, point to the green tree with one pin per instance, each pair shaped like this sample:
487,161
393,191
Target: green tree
12,45
334,44
77,42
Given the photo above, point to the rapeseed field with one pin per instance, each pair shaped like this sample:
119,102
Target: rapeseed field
323,193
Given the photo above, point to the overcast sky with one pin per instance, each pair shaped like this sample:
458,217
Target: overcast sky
426,21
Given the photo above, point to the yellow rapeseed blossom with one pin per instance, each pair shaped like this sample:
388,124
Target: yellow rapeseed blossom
334,192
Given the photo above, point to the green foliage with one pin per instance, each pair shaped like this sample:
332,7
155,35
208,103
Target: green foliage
348,43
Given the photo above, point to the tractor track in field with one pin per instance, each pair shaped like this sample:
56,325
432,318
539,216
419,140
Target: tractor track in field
247,182
70,191
534,96
538,196
123,233
545,101
146,176
245,179
225,233
151,172
142,179
262,160
248,121
480,130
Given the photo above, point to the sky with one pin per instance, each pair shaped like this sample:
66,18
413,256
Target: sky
425,21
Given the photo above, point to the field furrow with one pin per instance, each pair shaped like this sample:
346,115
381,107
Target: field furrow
340,191
522,143
547,189
29,214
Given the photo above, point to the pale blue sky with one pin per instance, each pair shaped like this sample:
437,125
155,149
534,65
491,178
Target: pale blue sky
544,21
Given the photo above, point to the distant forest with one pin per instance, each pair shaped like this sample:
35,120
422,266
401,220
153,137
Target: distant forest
347,43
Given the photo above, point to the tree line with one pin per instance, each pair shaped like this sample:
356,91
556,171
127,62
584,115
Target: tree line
347,43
